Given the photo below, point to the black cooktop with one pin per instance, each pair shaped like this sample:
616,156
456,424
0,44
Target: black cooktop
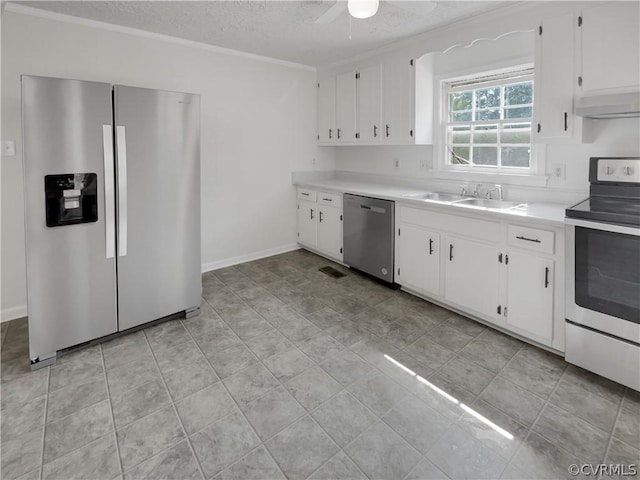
624,211
615,192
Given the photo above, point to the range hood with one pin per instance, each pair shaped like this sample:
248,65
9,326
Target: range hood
620,105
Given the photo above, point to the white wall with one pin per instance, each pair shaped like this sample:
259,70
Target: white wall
610,137
258,125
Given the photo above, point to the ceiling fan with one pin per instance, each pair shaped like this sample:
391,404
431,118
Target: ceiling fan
367,8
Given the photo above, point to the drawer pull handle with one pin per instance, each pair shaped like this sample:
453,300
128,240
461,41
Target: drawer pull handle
320,216
431,246
546,277
450,252
304,193
330,134
311,214
387,130
375,131
534,240
327,200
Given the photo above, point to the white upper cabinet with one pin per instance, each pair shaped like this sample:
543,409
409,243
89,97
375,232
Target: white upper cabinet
369,86
398,97
346,108
610,38
408,101
555,81
389,103
326,110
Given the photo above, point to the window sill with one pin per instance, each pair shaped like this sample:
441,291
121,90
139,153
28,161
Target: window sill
490,177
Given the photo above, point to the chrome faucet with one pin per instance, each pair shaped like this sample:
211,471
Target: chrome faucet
498,190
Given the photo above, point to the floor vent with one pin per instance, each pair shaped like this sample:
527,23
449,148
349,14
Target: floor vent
332,272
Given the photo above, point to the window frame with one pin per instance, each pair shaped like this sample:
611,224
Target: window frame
472,80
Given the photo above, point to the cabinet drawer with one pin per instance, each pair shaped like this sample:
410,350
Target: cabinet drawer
465,226
306,194
531,238
331,199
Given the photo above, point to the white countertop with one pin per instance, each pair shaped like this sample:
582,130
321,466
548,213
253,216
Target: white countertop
539,212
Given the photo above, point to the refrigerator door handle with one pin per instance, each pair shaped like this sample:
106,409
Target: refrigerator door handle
121,143
109,192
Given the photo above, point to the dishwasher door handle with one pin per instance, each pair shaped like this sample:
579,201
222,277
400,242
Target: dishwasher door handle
373,209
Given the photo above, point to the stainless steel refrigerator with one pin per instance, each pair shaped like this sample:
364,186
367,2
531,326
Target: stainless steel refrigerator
112,207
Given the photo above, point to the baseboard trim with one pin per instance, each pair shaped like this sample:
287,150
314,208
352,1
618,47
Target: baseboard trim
21,310
228,262
13,313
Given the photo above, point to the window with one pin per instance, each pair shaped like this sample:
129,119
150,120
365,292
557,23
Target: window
488,121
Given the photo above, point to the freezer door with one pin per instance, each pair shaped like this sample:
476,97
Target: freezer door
71,274
158,192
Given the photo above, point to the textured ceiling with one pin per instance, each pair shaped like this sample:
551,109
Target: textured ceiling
284,30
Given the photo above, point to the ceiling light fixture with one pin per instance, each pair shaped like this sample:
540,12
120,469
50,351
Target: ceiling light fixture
363,8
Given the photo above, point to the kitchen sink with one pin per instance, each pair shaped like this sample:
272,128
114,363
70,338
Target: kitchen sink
435,197
487,203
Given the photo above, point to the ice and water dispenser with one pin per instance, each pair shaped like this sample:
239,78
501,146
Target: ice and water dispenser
71,198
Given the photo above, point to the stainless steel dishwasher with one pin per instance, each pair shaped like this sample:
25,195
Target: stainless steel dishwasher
368,228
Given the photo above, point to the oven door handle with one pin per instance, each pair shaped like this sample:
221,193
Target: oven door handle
606,227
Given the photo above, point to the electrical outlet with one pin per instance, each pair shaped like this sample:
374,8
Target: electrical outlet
396,163
558,171
423,164
8,148
313,161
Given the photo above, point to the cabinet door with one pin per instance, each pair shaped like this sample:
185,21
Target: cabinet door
432,270
472,275
307,223
411,256
346,108
610,43
554,79
370,104
530,285
398,97
326,110
418,259
330,231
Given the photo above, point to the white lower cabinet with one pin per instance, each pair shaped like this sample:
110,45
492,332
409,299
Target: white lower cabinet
330,230
319,222
472,275
530,285
418,259
307,224
493,270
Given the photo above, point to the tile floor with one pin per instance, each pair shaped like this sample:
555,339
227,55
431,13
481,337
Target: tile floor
288,373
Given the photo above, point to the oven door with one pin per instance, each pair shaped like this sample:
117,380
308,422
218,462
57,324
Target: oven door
603,277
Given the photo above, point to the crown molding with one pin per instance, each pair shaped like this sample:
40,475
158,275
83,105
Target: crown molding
60,17
419,44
